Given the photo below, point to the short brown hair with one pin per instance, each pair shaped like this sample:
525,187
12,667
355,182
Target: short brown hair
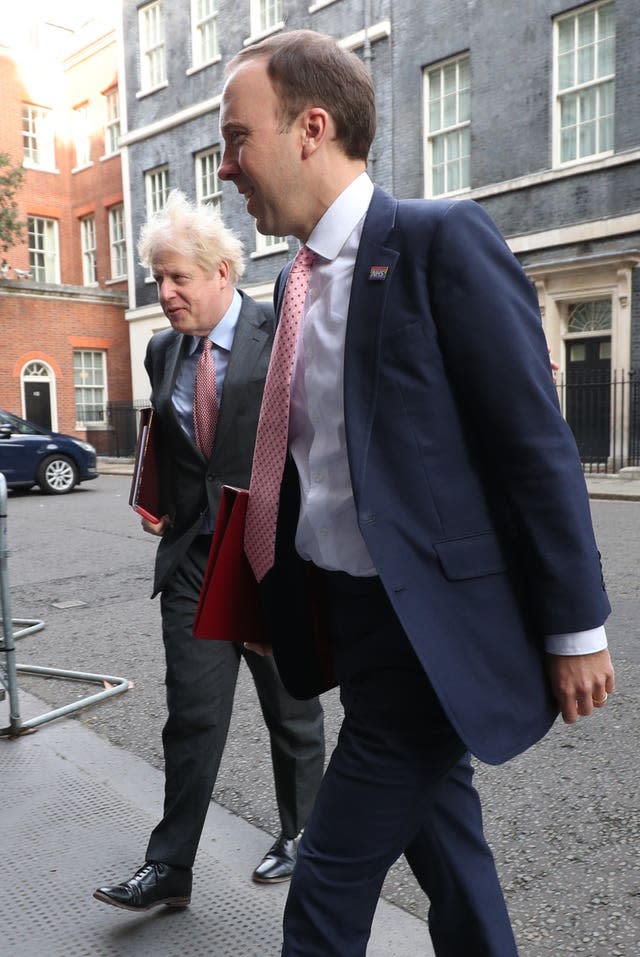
311,69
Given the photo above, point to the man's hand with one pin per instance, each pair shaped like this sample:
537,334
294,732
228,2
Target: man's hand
581,683
156,529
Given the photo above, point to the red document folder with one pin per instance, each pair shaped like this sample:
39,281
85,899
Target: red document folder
229,605
144,497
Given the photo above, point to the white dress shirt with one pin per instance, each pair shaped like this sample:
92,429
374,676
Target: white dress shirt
328,532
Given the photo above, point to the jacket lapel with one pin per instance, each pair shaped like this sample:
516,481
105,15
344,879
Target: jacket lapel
372,279
251,336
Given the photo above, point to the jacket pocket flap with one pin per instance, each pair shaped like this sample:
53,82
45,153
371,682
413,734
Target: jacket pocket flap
471,557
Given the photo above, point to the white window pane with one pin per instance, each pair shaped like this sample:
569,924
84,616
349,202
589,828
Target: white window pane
607,91
586,64
606,21
568,110
566,68
566,33
449,113
453,151
434,115
605,132
465,171
464,106
568,144
606,57
587,104
587,139
453,176
449,75
464,78
437,147
586,27
435,78
437,181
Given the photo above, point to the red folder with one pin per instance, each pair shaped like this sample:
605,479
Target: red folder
144,496
229,604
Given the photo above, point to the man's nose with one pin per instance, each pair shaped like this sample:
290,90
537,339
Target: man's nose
228,167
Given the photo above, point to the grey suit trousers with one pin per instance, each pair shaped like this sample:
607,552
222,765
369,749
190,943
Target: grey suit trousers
200,681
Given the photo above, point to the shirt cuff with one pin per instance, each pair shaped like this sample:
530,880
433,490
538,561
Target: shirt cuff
577,642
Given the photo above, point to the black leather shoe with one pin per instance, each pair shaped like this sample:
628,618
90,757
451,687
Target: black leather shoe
151,885
278,863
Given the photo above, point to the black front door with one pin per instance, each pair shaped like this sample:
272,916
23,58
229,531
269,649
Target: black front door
37,401
588,395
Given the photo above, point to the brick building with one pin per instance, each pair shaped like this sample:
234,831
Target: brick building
65,359
532,112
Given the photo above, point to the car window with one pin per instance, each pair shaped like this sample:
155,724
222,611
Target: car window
18,425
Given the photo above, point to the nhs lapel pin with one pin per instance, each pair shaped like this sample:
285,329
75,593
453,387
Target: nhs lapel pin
378,273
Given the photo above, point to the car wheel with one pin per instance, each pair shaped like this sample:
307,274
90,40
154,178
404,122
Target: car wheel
57,475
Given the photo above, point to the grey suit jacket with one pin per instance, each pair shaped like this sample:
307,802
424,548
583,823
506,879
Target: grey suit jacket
190,486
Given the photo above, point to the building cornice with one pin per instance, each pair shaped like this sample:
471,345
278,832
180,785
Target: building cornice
596,229
32,290
552,175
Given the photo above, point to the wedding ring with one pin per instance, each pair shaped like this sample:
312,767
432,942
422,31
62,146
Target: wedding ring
600,700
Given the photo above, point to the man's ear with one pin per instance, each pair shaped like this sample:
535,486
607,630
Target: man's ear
315,123
223,272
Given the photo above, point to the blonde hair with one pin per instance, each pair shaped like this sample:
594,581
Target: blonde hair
195,231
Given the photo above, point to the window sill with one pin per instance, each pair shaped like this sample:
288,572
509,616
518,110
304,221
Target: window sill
78,169
264,33
114,280
153,89
108,156
271,251
202,66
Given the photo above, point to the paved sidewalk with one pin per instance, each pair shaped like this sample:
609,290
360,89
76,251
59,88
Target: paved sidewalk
76,813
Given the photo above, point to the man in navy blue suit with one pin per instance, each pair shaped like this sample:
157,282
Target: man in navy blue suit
433,516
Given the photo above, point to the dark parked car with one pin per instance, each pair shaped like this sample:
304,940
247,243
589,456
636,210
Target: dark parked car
31,455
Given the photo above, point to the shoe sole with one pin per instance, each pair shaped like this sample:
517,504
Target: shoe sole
270,880
168,902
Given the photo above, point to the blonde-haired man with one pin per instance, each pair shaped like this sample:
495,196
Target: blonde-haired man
196,262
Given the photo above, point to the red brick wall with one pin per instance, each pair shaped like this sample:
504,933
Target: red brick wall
32,326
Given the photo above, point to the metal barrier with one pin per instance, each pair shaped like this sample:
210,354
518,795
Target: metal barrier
9,669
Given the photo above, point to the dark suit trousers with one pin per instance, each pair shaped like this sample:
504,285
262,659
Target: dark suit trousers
200,680
399,781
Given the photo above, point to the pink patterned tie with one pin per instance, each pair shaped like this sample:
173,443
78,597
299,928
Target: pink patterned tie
205,400
273,426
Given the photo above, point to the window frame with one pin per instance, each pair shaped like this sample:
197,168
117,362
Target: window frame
50,258
151,47
268,245
88,246
261,22
445,131
214,198
198,25
117,241
112,126
38,132
93,386
578,88
151,193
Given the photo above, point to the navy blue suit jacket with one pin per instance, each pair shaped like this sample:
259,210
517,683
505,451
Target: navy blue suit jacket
466,478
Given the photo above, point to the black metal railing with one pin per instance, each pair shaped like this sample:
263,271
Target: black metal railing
602,408
118,439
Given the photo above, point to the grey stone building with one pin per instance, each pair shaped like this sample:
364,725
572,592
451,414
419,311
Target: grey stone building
529,107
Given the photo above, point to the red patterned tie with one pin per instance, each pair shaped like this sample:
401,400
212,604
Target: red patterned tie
273,426
205,400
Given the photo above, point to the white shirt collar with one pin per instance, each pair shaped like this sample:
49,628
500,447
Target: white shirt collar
223,332
336,225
